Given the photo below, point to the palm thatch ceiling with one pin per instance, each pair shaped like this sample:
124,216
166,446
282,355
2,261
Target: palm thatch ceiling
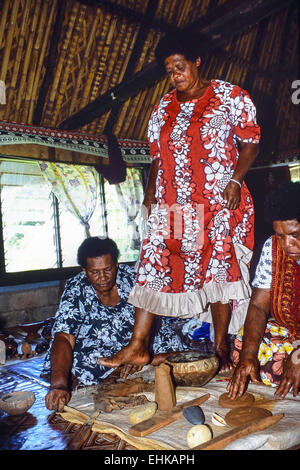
89,65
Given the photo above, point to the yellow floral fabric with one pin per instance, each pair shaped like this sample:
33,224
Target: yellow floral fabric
273,349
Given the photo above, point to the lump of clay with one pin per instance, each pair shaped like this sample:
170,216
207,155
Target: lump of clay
198,435
245,414
247,399
143,412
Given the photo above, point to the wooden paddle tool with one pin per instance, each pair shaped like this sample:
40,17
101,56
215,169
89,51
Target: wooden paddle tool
163,418
220,442
82,433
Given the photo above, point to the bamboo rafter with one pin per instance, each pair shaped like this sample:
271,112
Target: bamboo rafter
93,52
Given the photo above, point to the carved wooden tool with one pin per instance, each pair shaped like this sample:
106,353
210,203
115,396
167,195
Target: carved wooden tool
223,440
81,434
164,389
163,418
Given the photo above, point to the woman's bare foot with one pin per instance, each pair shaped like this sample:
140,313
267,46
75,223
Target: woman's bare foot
131,354
159,359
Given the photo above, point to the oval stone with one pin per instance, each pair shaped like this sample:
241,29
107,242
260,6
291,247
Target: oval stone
143,412
194,414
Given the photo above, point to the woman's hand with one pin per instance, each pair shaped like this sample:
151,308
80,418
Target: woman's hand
248,367
232,195
290,376
57,398
128,369
149,198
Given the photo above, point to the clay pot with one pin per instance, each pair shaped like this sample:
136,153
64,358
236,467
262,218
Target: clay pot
16,403
192,368
11,348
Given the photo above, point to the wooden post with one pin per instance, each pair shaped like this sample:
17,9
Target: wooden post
164,389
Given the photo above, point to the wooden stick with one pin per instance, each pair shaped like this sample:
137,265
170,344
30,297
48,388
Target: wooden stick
68,54
22,110
9,40
223,440
36,53
41,60
65,49
81,435
3,22
20,48
90,41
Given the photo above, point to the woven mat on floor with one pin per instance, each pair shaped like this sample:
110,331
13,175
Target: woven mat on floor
283,435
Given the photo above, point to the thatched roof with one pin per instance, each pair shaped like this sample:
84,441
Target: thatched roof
88,66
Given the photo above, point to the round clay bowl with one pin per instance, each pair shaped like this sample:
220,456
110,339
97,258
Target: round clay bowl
192,368
16,403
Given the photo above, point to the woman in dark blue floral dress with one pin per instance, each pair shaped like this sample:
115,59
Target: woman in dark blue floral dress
94,320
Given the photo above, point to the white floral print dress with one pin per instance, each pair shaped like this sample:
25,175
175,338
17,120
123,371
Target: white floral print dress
102,331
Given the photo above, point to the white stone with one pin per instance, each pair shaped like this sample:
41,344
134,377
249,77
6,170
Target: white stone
197,435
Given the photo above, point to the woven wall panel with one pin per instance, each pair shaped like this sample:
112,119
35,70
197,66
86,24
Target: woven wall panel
94,47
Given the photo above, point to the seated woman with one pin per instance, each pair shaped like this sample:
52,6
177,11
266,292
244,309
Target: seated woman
269,349
94,319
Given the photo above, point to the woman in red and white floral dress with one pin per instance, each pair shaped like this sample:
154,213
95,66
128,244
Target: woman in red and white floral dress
195,256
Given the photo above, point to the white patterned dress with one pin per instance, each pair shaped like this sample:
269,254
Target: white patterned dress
102,331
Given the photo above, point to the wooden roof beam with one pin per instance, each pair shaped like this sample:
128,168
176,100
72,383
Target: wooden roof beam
50,64
243,16
237,16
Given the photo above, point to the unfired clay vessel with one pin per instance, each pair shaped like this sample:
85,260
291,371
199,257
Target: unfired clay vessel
192,368
16,403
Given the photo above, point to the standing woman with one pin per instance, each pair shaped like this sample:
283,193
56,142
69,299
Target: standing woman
195,257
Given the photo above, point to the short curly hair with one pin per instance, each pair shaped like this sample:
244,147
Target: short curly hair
283,203
190,45
93,247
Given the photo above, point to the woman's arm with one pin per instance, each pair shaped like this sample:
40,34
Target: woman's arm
247,155
61,362
232,192
254,329
149,197
256,321
291,375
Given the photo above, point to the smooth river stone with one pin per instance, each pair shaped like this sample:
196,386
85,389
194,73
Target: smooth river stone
143,412
197,435
194,414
